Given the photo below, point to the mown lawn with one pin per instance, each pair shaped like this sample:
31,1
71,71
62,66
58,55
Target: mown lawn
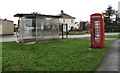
79,33
76,33
112,36
62,55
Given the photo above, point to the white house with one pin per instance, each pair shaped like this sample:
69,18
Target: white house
67,19
6,26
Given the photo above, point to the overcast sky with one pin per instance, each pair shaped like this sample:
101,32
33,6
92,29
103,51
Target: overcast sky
81,9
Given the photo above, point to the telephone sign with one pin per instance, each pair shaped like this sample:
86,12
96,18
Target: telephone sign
97,30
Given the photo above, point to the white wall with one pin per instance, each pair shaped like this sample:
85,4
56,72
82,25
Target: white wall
0,26
7,27
68,21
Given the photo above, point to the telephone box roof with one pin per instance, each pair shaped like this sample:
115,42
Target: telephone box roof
97,14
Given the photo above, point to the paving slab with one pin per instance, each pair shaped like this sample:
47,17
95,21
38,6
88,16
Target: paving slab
111,62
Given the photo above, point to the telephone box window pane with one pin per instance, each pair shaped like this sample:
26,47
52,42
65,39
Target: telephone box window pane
96,31
97,40
97,27
96,22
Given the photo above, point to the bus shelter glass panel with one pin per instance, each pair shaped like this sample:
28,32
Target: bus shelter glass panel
97,31
55,27
27,30
47,28
20,30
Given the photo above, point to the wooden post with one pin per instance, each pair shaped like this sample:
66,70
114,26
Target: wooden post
66,31
62,31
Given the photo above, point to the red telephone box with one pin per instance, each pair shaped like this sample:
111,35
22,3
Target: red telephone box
97,30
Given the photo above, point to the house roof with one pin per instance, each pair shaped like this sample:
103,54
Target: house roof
35,15
6,20
64,15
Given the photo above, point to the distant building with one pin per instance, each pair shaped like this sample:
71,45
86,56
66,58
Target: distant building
7,26
67,19
84,25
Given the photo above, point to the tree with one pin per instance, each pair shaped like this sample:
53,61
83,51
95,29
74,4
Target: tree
109,13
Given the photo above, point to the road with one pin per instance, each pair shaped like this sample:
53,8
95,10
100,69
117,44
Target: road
14,38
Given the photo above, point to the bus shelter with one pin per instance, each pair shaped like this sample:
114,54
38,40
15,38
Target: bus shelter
37,27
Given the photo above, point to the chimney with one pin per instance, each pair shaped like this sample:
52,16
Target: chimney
62,11
5,19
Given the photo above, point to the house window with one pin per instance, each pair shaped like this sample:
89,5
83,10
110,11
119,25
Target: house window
63,20
71,20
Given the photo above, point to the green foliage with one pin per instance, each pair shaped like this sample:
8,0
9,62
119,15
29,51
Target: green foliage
109,12
108,15
112,28
62,55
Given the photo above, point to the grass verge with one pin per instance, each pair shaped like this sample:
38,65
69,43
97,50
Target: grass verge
79,33
63,55
112,36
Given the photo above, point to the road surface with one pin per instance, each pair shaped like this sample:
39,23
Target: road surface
14,38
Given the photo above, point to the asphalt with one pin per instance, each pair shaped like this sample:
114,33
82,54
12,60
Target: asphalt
111,62
14,37
8,38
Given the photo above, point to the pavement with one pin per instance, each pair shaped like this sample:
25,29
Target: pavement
111,64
